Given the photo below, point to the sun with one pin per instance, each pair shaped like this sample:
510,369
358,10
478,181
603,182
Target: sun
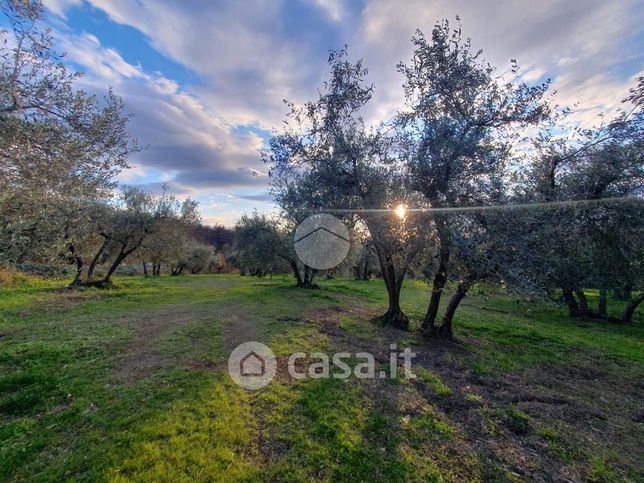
401,211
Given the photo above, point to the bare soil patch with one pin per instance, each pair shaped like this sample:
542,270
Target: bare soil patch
143,357
536,423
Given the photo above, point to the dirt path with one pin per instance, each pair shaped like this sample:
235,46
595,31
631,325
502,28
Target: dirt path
239,326
146,354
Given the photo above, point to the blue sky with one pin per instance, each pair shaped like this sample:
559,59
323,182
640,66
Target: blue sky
205,79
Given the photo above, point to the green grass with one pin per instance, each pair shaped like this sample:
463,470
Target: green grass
434,381
129,383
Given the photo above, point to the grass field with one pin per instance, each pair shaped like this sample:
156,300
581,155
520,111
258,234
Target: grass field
130,383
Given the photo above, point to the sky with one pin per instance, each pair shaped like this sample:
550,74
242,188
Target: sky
205,80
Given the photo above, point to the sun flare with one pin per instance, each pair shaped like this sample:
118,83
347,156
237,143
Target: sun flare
401,211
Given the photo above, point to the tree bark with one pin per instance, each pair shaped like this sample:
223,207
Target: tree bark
79,266
365,271
94,262
445,330
627,315
583,303
393,282
123,254
394,315
296,272
145,269
177,270
440,278
309,274
117,261
602,308
571,302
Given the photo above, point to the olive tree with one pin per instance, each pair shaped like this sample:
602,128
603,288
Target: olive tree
60,147
120,229
326,154
257,244
459,126
595,240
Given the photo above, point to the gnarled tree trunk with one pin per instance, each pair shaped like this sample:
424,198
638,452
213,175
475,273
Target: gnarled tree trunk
393,282
296,271
445,330
78,261
440,278
571,302
627,315
94,262
123,254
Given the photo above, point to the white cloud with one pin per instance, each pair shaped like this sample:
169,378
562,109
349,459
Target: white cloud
333,8
247,64
248,57
130,174
226,218
59,6
190,144
533,75
576,43
105,64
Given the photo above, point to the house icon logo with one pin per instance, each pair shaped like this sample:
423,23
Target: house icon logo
252,365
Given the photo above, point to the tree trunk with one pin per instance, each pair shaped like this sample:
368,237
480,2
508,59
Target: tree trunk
145,269
583,302
79,266
357,271
394,315
627,315
117,261
312,273
440,278
123,254
571,302
366,275
602,309
445,330
94,262
309,273
177,269
296,272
